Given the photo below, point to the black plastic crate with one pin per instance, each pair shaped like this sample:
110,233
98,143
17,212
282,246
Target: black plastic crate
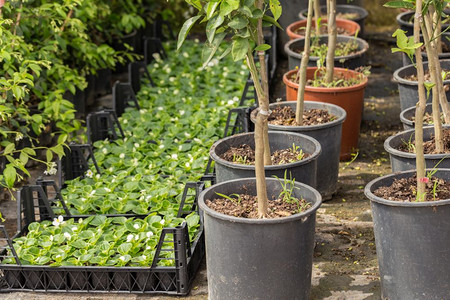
123,97
102,125
154,279
136,71
75,162
34,206
153,45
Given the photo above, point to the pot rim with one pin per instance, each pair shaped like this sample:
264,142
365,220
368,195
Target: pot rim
403,154
313,156
317,202
401,21
363,13
406,121
362,51
339,120
369,194
324,89
400,80
290,29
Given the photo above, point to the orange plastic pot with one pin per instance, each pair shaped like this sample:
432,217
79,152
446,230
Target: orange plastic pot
349,98
350,26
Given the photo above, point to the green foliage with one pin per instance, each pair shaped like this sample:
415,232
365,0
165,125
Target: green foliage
238,18
98,241
405,44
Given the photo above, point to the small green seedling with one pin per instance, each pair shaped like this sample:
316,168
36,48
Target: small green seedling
236,200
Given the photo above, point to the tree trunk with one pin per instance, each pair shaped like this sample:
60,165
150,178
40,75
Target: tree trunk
430,46
332,32
420,107
301,75
317,16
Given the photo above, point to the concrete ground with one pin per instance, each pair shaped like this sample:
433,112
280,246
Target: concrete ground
345,264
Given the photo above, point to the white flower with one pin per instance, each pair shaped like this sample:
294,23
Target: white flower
89,173
161,146
230,102
136,237
150,166
104,150
197,140
136,145
83,199
236,99
149,234
19,136
51,238
242,72
148,248
142,111
162,222
130,238
74,228
111,169
136,226
67,235
122,155
97,176
122,258
92,193
144,257
157,57
58,221
135,162
51,169
125,121
279,99
160,108
187,165
176,92
187,134
182,112
171,79
174,156
107,190
185,54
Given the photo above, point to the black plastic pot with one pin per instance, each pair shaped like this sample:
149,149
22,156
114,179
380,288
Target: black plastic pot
103,82
412,241
329,137
341,8
79,102
407,115
302,171
445,55
293,51
132,39
405,21
403,161
259,258
408,90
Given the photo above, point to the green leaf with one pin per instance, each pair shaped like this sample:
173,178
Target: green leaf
212,25
211,9
272,21
10,174
210,49
9,148
239,49
262,47
124,248
399,4
185,30
238,22
275,8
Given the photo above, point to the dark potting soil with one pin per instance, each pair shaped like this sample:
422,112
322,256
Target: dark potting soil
428,118
302,30
427,76
245,155
445,48
338,80
246,206
429,146
404,190
342,49
339,15
284,115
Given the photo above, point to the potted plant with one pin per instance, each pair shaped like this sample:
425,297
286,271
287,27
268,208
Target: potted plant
341,87
281,256
410,209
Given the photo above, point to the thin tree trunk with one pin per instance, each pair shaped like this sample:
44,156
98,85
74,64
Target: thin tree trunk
301,75
332,32
430,46
317,16
420,106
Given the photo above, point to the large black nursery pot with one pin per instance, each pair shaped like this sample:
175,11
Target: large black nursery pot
259,258
329,137
343,9
408,90
407,115
445,38
294,49
403,161
412,241
405,21
302,171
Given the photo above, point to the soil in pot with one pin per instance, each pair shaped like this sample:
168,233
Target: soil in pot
404,189
246,206
342,49
340,30
244,154
413,77
429,146
285,115
339,79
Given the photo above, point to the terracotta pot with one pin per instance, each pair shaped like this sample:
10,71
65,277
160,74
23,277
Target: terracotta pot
350,26
349,98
